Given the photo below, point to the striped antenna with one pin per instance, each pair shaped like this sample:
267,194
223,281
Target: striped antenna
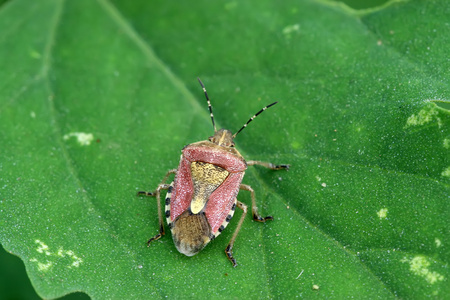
209,104
251,119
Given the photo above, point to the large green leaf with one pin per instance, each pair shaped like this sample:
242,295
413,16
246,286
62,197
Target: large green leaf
98,98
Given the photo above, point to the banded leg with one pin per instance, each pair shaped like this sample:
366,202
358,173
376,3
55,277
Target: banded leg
268,165
245,187
229,249
255,213
157,193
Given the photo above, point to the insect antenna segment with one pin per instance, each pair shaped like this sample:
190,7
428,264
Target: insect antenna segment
212,115
251,119
209,104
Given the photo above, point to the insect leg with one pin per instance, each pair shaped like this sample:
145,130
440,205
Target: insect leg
255,213
156,193
229,249
268,165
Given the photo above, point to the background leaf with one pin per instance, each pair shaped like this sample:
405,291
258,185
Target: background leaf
98,98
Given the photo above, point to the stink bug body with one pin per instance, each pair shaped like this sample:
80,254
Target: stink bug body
202,199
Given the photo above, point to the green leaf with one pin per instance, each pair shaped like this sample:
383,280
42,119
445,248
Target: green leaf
99,97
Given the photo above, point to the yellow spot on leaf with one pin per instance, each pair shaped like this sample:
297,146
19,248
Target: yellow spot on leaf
43,248
35,54
446,143
44,267
60,255
437,242
446,172
419,265
425,115
295,145
84,139
382,213
230,5
290,29
60,252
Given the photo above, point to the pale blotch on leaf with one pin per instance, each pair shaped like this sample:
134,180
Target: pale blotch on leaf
425,115
75,261
323,184
419,265
42,248
295,145
446,143
84,139
437,242
382,213
44,267
230,5
41,266
60,252
35,54
288,30
446,172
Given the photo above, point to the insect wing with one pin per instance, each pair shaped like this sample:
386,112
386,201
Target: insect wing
183,190
222,200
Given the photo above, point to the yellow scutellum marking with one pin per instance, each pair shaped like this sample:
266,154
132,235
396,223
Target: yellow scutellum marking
84,139
382,213
206,178
61,253
437,242
424,116
446,172
418,265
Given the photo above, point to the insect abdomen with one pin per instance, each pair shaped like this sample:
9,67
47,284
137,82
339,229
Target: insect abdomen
191,233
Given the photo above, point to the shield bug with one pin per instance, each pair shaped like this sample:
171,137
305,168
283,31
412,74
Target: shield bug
201,200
